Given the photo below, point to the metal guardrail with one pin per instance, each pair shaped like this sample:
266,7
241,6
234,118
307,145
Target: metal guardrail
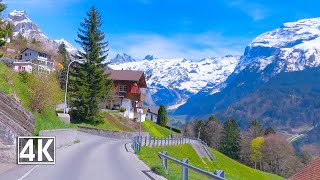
136,144
206,147
218,174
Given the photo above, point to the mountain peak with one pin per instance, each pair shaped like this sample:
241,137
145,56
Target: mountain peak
69,47
149,57
122,59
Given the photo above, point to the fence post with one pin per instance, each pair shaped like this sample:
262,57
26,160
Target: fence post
145,141
161,142
184,169
154,141
165,162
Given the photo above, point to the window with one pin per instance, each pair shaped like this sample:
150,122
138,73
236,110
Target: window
25,54
123,88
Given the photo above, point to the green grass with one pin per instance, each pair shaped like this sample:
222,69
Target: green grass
233,169
155,129
11,82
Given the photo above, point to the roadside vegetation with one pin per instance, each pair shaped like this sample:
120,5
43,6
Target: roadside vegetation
156,130
232,168
18,88
257,147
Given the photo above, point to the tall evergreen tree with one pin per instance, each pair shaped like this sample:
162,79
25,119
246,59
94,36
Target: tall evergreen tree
162,119
230,141
88,81
255,129
3,32
63,72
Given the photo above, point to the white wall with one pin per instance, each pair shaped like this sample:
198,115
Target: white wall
126,103
28,68
152,117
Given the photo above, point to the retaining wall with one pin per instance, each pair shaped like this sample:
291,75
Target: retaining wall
14,121
64,137
111,134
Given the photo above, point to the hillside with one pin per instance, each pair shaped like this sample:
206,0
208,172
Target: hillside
12,84
156,130
233,169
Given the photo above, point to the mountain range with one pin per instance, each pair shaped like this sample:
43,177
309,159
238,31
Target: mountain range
275,80
173,81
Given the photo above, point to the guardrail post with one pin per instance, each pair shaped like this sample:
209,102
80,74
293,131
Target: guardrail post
184,169
219,173
165,162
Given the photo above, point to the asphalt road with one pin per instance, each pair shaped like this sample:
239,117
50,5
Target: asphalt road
94,158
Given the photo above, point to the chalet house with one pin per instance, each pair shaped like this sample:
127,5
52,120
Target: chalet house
40,60
152,113
129,93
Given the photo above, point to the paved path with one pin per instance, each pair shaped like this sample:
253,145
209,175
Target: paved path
94,158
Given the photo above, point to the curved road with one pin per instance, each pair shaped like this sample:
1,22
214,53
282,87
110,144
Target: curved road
94,158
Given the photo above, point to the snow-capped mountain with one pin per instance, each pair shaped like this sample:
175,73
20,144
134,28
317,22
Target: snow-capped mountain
173,81
124,58
293,47
69,47
25,27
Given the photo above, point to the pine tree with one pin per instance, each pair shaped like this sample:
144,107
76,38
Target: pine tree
269,130
255,129
162,119
230,141
88,81
3,32
63,72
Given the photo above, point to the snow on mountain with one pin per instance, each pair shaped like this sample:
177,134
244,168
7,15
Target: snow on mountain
25,27
292,47
124,58
295,46
69,47
183,76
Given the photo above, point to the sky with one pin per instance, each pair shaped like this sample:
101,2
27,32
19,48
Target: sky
168,28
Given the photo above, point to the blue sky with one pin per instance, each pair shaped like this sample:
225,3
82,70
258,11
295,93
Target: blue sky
169,28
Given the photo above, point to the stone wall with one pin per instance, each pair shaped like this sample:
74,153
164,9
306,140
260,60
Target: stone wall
14,121
64,137
111,134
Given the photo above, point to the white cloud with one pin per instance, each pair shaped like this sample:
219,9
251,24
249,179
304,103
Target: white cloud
255,10
190,46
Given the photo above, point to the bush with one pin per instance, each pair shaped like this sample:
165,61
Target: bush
122,109
174,129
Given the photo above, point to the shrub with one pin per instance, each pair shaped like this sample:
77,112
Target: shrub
122,109
174,129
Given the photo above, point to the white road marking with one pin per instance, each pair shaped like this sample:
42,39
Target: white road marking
24,176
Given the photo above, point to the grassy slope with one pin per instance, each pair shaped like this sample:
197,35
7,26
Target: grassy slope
46,120
233,169
156,130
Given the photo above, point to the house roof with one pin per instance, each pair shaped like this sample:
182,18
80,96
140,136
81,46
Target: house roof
153,109
125,75
310,171
34,49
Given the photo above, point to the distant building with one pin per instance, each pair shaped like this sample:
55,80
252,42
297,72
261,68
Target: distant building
129,93
152,113
41,61
22,66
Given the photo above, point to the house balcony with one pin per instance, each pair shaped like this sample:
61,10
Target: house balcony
132,96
